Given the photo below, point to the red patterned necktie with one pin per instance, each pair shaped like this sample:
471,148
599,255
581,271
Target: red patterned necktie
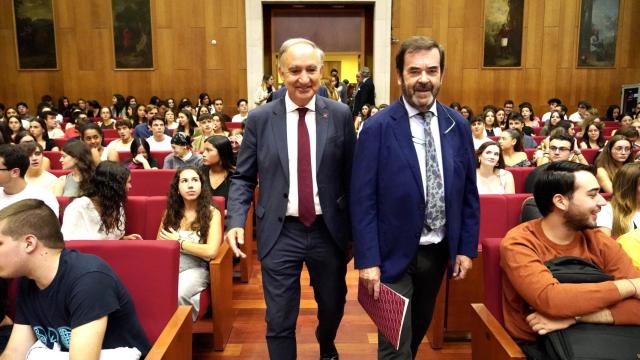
306,207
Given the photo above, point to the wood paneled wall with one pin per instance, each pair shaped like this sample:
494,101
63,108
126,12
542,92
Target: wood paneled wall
186,63
549,53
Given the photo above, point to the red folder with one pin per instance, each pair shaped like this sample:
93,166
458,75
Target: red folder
387,312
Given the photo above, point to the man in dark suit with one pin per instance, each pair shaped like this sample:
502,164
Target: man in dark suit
414,201
366,92
302,147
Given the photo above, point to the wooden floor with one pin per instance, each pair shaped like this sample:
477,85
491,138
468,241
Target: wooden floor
357,336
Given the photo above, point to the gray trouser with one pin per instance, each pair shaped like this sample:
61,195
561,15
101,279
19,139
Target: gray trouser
191,282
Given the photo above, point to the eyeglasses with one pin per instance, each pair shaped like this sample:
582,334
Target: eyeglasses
558,148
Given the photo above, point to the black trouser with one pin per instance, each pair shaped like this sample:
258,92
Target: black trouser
281,268
420,284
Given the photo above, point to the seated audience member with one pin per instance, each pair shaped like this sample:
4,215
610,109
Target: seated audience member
36,175
478,133
85,307
552,123
106,119
553,103
218,126
613,113
186,124
77,121
192,220
40,135
5,321
630,133
142,129
630,243
561,147
123,143
529,119
491,124
15,128
26,138
625,121
76,157
466,112
616,153
91,135
534,302
592,135
236,142
582,113
99,214
501,119
51,125
217,165
14,163
243,111
545,146
218,107
159,141
140,156
512,150
516,122
205,123
491,176
363,115
182,154
139,116
170,119
622,213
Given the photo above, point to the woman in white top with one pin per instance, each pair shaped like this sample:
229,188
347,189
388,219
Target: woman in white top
192,220
622,214
264,90
36,175
491,177
99,214
491,124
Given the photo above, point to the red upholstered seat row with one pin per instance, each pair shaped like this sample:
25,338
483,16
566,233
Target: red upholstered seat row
54,157
143,182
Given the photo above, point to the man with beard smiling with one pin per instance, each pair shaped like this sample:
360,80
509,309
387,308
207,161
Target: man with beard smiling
534,302
414,201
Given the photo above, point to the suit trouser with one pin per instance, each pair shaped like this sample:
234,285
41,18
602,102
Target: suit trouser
281,268
420,284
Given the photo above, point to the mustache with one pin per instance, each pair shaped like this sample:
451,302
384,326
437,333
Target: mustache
423,87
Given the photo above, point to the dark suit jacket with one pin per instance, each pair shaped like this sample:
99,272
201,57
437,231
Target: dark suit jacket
366,95
264,152
387,197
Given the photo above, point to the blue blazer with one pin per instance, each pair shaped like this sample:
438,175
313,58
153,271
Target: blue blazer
387,197
264,152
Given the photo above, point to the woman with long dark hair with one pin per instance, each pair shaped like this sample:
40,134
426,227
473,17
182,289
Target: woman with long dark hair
118,106
217,165
76,157
99,214
186,124
491,176
191,219
614,155
91,134
592,135
140,156
622,214
38,129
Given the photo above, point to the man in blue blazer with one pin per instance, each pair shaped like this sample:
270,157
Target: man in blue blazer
301,145
414,201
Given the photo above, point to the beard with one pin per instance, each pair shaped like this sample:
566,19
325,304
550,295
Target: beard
577,221
409,94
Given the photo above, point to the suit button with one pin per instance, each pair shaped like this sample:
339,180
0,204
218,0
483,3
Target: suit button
285,195
280,218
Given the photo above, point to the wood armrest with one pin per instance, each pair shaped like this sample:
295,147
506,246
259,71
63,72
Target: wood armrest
175,341
221,272
489,340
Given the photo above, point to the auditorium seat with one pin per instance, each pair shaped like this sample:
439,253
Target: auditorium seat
63,202
520,177
149,271
150,182
590,154
530,153
489,339
538,139
233,125
158,155
54,158
110,133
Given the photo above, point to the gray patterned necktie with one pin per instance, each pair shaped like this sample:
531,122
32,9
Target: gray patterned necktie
435,214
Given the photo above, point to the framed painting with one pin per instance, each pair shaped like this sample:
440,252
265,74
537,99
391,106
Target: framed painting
598,33
132,38
35,35
503,33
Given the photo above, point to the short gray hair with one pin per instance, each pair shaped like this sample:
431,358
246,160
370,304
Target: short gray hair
297,41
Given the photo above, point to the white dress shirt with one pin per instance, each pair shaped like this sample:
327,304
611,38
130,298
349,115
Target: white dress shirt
292,151
416,123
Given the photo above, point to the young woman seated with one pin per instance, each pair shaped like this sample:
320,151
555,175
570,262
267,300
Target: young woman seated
491,124
552,123
192,220
99,214
38,131
478,134
182,154
614,155
37,175
76,157
15,128
140,156
592,135
491,177
106,119
512,150
91,134
217,165
218,126
622,213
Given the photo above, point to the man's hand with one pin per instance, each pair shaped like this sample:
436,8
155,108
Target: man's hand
543,325
460,268
235,238
371,279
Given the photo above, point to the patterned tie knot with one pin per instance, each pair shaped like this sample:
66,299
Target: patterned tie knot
426,116
302,111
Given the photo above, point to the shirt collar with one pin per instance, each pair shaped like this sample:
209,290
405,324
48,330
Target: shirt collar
291,106
413,111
